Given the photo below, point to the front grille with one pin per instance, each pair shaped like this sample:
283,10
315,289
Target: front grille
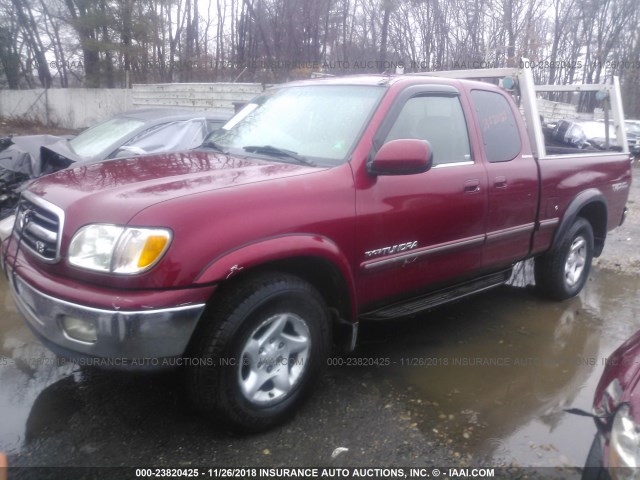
38,227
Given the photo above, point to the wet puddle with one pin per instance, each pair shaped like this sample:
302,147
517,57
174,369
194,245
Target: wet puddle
492,376
26,369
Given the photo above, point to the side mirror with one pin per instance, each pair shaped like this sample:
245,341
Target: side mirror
404,156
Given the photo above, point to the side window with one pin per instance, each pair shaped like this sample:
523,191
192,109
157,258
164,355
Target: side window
440,121
498,126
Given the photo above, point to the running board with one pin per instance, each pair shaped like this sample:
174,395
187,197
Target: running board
439,297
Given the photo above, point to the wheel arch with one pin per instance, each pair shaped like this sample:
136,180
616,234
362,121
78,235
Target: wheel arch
315,259
592,206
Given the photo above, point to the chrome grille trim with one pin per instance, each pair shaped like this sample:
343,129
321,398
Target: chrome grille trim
41,232
44,230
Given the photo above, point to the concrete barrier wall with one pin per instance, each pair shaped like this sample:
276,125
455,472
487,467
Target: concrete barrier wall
199,96
553,111
82,107
65,107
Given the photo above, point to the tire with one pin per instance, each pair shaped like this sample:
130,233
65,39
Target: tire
562,274
259,353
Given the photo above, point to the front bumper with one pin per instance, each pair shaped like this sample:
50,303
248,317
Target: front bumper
130,339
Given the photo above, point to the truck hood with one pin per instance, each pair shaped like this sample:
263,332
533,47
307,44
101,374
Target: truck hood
115,190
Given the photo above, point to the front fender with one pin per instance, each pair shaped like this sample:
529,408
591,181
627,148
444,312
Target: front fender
285,247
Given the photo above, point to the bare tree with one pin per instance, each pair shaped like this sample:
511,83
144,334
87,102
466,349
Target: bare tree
29,28
9,47
83,19
268,40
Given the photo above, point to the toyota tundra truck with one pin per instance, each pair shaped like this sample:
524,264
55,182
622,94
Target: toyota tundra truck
321,204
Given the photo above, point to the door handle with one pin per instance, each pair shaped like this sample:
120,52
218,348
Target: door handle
500,182
472,186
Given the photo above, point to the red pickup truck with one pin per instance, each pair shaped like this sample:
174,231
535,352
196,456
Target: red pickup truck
320,204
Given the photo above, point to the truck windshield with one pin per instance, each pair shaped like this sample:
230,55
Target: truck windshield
319,123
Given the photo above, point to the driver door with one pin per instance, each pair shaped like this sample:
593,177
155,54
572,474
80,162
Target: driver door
440,214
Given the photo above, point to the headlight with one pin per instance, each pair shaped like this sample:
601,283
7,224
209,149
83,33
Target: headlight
115,249
624,445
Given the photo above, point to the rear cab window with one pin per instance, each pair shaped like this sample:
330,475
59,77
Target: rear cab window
498,126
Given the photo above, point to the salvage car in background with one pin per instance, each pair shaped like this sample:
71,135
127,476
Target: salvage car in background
137,132
632,127
592,135
588,135
615,452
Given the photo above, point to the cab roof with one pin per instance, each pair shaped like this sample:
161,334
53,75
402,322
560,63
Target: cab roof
391,80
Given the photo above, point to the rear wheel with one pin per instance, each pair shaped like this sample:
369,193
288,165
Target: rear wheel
563,273
258,355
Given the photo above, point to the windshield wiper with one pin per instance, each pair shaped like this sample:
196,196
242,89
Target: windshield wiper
279,152
213,145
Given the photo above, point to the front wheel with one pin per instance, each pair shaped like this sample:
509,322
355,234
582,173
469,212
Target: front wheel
563,273
258,355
